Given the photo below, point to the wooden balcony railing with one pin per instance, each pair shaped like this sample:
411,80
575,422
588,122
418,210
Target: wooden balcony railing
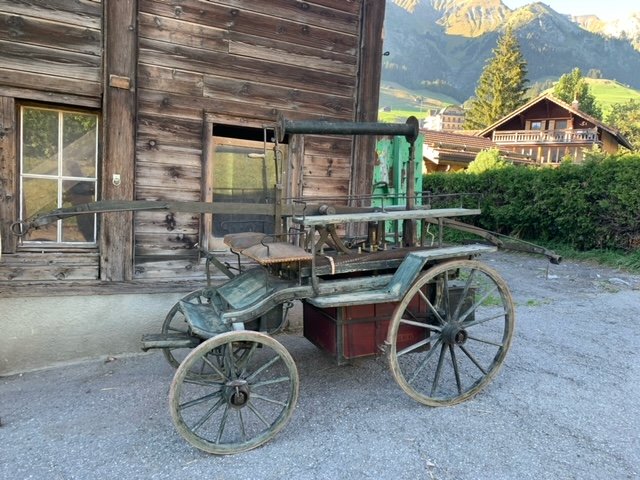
545,136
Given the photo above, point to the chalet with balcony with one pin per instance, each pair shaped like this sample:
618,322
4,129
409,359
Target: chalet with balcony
549,130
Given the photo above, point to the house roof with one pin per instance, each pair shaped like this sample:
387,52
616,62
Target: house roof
461,148
549,97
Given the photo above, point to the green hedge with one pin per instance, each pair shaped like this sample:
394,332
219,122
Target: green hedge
595,205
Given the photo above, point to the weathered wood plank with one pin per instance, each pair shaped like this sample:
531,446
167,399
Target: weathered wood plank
168,155
157,193
171,131
189,107
285,53
215,63
163,222
324,187
277,96
351,6
193,108
171,244
328,145
34,31
86,13
54,266
49,61
168,176
8,174
312,13
52,97
182,33
26,80
153,268
316,166
245,21
151,77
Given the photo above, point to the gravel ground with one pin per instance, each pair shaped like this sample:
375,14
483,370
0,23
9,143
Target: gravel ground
564,406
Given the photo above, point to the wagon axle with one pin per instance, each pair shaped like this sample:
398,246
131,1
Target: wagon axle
237,393
452,334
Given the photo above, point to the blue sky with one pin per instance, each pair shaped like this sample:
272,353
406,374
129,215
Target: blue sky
605,9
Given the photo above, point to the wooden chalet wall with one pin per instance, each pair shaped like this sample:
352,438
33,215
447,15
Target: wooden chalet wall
50,51
158,72
242,62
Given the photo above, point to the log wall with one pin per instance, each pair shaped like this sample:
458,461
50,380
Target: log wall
158,72
50,51
246,61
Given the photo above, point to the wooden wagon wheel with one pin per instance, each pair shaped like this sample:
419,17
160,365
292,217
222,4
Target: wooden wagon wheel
175,322
249,402
450,333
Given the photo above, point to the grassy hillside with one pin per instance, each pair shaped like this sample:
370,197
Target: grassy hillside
402,102
610,92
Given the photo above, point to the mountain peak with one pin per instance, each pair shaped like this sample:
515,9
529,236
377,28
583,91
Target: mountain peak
470,18
444,44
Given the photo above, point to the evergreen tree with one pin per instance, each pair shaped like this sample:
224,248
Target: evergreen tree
572,86
501,86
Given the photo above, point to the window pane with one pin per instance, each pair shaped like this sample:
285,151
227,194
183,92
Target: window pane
79,145
40,195
242,174
40,141
82,227
561,124
537,125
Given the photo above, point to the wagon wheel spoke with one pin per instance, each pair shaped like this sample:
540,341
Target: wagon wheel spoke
223,423
465,292
198,401
260,383
208,415
482,320
245,358
488,342
473,359
431,307
262,368
456,372
270,400
475,306
258,414
421,343
220,373
436,378
472,310
421,324
424,362
243,429
229,362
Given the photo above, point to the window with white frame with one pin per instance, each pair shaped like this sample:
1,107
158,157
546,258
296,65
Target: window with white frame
58,168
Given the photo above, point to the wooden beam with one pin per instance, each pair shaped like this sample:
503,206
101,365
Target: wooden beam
370,63
118,167
7,172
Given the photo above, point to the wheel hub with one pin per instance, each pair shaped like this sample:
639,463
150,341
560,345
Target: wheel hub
454,335
237,393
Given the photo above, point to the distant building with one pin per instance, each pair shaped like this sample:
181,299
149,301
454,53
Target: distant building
447,119
549,130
